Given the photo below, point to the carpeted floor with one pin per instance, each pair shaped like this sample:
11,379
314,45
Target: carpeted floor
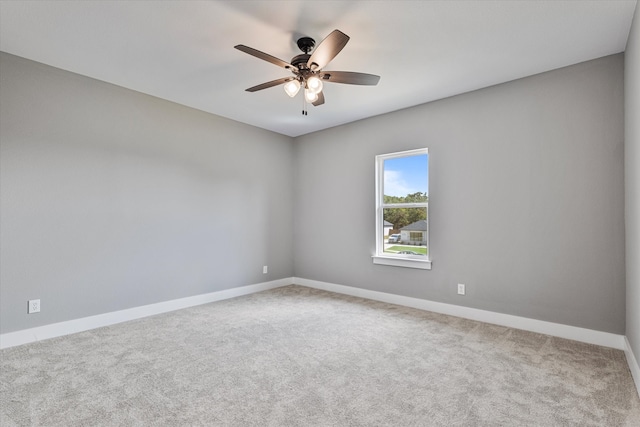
295,356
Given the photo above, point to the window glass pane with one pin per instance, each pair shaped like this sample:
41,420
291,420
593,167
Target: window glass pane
406,179
405,231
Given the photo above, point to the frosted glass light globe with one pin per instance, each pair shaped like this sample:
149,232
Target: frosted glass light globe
310,96
292,88
314,84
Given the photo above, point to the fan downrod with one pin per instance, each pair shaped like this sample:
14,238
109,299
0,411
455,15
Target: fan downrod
306,44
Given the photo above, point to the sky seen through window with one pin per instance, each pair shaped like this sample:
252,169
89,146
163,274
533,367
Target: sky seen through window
406,175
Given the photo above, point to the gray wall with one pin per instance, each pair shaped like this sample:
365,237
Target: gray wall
526,198
111,199
632,182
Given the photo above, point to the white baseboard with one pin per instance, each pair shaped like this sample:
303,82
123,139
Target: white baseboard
604,339
39,333
633,364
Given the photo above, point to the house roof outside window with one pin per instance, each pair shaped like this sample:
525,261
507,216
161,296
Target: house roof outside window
420,225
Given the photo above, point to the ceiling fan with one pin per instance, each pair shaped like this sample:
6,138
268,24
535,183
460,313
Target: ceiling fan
308,70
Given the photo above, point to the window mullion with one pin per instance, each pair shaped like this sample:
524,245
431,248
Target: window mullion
404,205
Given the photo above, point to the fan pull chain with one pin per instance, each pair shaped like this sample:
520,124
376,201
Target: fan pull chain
304,106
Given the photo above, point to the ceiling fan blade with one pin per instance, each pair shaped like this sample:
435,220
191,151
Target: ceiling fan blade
350,78
264,56
327,50
269,84
320,100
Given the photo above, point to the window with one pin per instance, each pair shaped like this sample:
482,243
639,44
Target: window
402,209
415,236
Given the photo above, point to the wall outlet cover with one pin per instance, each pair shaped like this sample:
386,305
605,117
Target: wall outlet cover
33,306
461,289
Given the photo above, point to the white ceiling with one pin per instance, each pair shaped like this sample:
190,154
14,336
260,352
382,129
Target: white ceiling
183,51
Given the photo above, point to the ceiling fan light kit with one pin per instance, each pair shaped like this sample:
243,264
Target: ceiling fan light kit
308,71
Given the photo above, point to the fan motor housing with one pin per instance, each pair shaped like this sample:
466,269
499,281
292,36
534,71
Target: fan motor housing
300,61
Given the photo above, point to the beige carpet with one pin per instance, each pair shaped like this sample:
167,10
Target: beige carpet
295,356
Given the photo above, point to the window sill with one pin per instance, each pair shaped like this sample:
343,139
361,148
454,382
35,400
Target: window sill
402,262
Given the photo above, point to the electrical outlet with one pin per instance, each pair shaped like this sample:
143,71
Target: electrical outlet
33,306
461,289
265,269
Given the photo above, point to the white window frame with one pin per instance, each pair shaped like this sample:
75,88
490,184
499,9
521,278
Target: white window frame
397,260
